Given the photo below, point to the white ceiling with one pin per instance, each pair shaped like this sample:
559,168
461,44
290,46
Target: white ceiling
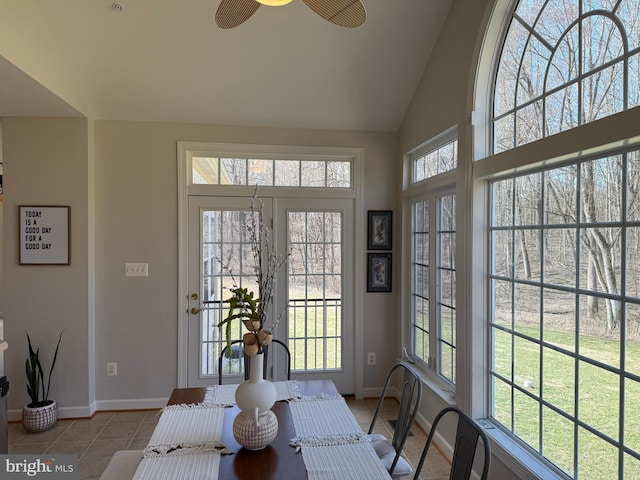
166,60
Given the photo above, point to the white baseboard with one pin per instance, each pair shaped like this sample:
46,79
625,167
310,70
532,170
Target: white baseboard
15,415
131,404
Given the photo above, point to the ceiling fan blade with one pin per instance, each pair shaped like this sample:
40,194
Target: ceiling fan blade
232,13
345,13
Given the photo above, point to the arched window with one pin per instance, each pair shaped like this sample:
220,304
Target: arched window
565,63
564,236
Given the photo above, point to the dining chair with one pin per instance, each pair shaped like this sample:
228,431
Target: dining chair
468,433
236,353
390,452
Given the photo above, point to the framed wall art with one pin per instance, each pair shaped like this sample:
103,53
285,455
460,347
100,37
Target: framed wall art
379,231
44,235
378,272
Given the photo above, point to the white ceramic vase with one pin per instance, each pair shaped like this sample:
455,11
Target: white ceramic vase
256,392
256,426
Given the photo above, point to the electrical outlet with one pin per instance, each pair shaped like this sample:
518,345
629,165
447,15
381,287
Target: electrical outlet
136,269
371,358
112,369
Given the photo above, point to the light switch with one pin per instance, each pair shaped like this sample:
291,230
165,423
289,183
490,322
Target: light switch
136,269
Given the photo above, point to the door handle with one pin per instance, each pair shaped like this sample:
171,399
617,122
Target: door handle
195,310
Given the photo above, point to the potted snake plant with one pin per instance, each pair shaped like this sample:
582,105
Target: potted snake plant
41,413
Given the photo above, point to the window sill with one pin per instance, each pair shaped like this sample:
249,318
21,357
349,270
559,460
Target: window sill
438,387
516,458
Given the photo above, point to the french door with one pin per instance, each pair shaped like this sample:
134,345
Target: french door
314,319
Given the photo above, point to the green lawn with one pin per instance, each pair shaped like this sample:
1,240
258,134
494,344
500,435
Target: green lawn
595,400
315,340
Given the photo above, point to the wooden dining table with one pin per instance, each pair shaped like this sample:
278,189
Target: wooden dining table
278,460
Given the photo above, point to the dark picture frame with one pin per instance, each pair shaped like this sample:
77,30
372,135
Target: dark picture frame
379,229
44,232
379,272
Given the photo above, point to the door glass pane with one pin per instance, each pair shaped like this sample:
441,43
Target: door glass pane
227,261
205,171
287,173
315,290
260,172
313,174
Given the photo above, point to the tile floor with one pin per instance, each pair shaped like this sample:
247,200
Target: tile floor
95,440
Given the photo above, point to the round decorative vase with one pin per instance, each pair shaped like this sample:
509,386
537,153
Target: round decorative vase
256,392
254,435
39,419
256,425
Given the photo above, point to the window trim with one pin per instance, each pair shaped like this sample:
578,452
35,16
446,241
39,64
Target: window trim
479,164
444,138
432,188
189,150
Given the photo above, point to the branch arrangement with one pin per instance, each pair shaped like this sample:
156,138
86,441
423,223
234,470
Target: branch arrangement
243,305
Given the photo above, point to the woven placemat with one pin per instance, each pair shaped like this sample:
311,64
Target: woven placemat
333,445
343,461
183,426
226,394
322,416
200,466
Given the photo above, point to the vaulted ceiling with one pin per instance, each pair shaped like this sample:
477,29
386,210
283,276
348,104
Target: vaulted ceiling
166,60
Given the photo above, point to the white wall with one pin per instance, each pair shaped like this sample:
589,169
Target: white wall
136,221
128,171
440,101
46,159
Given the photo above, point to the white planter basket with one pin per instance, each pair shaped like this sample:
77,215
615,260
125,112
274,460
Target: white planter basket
40,419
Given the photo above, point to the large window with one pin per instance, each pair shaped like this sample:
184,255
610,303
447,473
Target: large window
565,290
433,265
563,237
565,63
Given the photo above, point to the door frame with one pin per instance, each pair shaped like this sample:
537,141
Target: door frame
186,150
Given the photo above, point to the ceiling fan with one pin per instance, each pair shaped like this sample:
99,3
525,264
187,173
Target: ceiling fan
345,13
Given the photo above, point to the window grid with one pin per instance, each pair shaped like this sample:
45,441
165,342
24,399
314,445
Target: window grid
270,172
223,237
552,371
431,162
551,67
434,322
420,273
315,290
446,303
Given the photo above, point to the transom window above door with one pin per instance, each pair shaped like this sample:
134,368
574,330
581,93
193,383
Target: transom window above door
207,170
